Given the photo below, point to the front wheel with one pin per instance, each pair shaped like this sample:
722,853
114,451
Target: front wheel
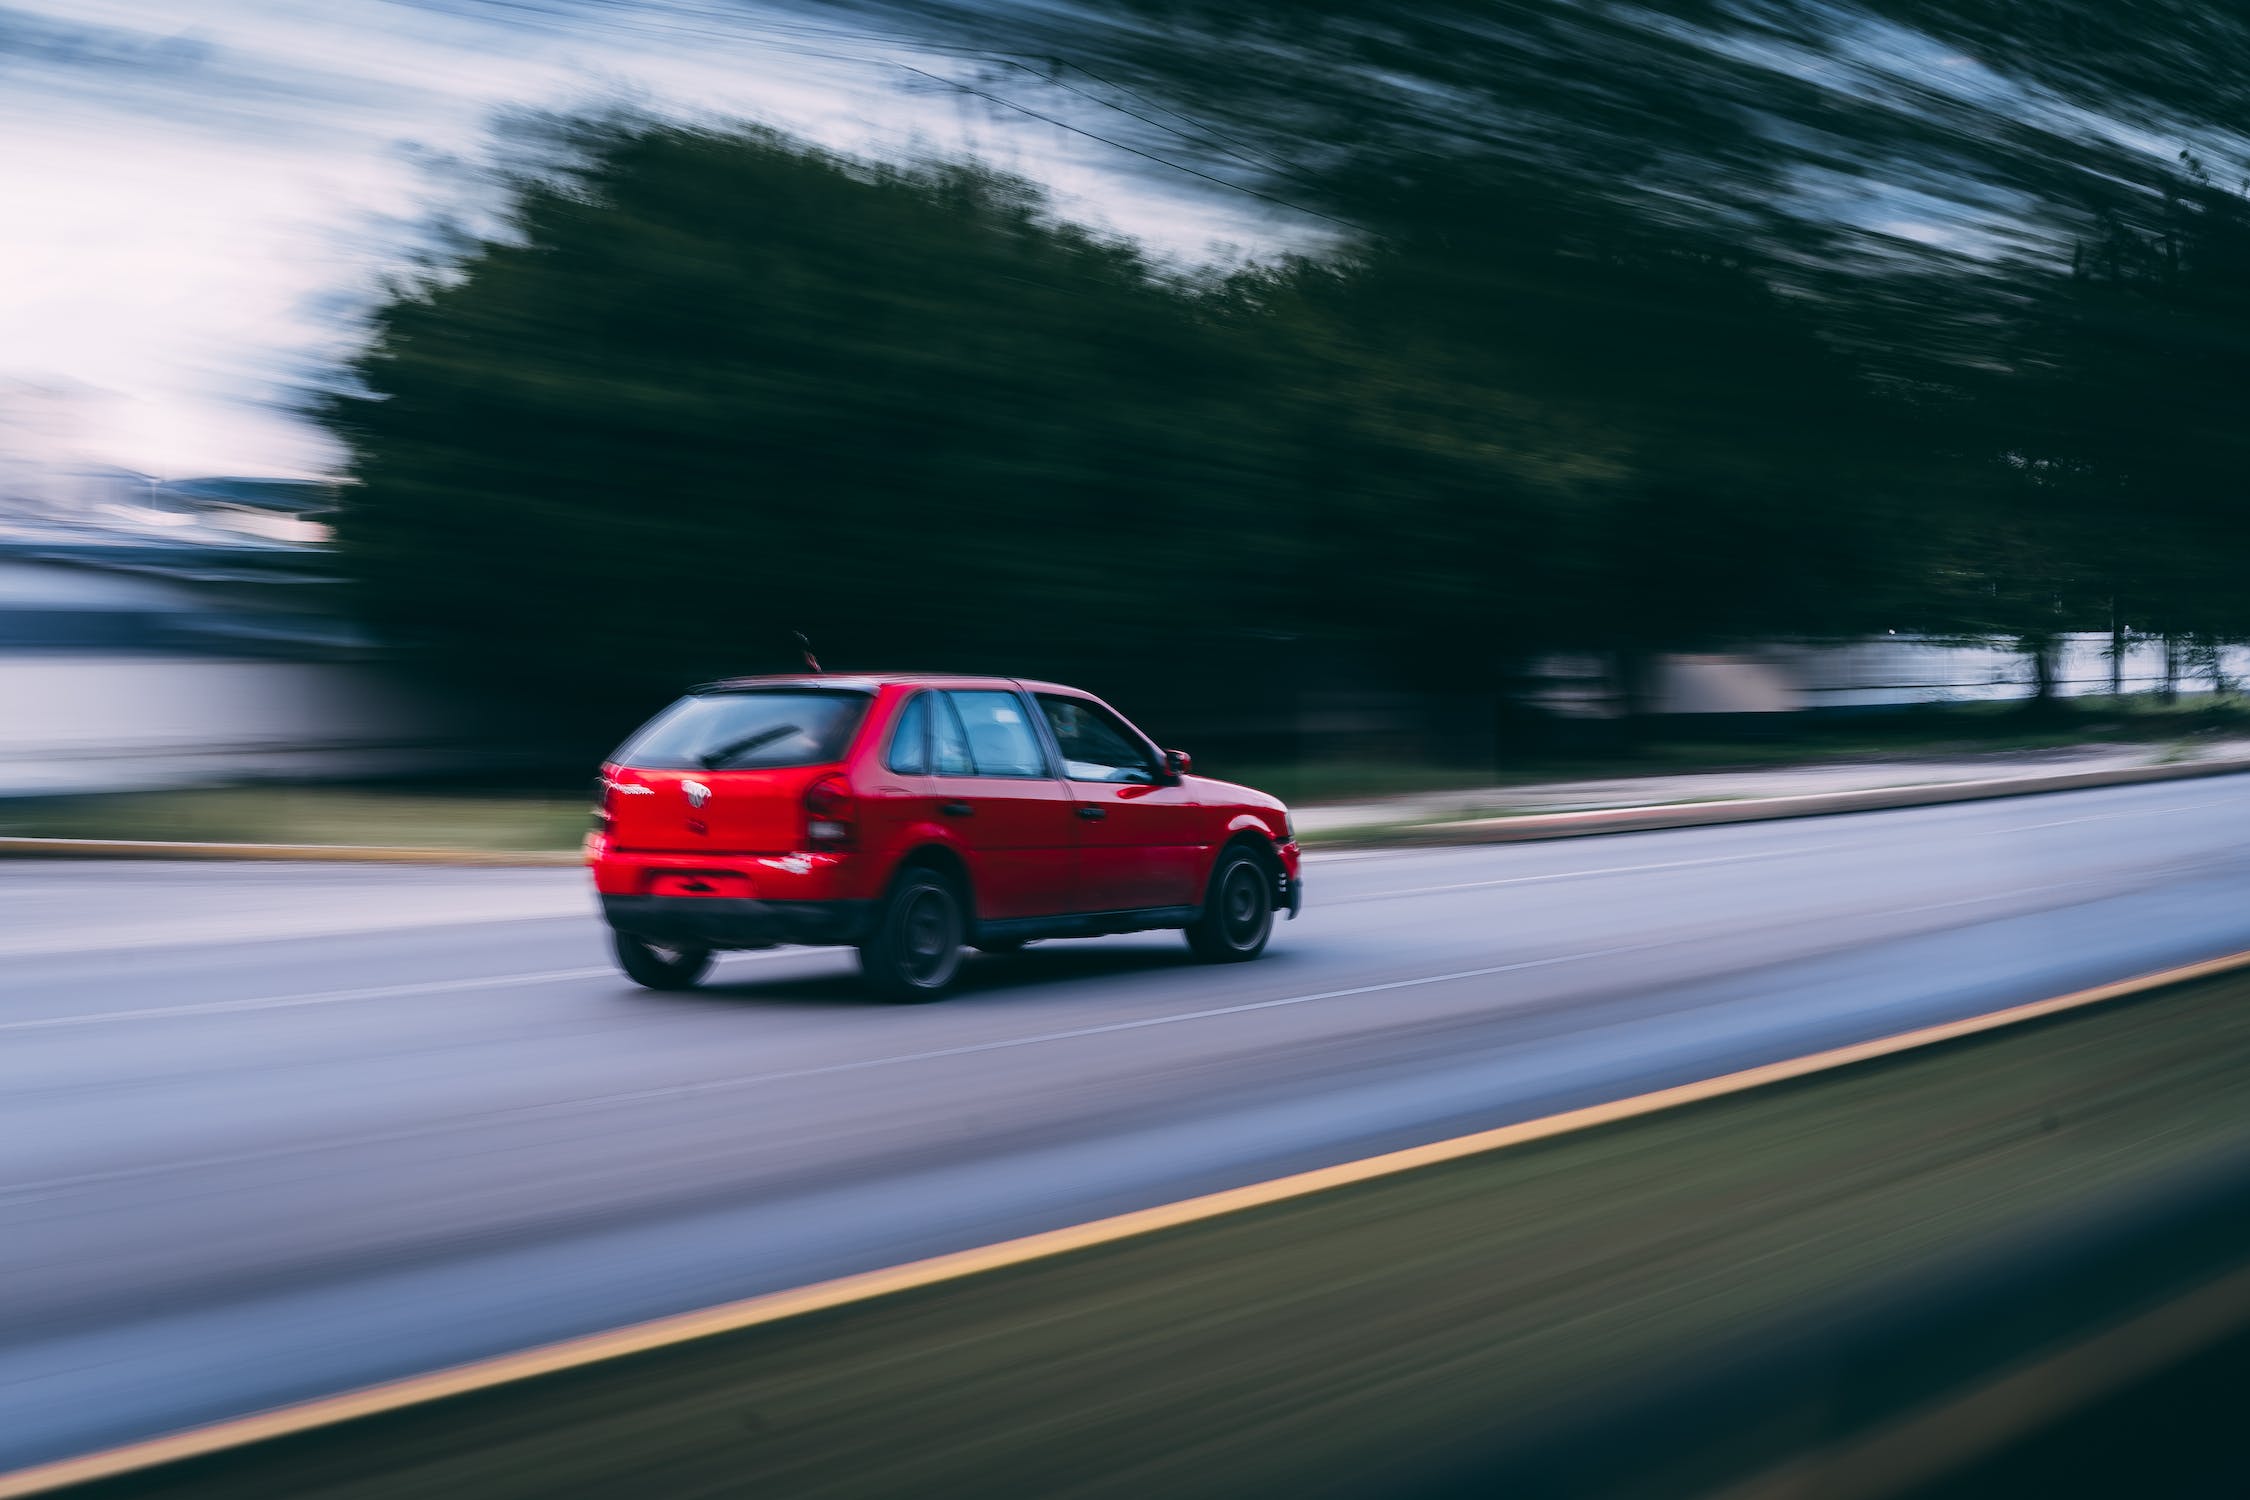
1237,910
660,966
915,950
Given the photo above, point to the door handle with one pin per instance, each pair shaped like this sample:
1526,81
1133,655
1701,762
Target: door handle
957,809
1091,813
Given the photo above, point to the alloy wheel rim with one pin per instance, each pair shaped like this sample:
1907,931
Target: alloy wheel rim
931,943
1242,905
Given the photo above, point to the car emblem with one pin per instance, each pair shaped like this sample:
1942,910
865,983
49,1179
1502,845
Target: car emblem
697,793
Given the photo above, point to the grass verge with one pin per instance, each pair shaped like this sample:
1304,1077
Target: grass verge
306,815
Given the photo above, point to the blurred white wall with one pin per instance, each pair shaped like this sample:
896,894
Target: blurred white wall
1707,684
1883,672
1894,670
84,722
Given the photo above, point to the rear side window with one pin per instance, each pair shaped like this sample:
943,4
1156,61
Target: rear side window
949,742
747,731
1001,739
910,740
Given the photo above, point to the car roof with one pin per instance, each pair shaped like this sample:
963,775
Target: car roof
869,681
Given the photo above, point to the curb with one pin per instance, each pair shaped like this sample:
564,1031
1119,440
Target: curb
1527,828
1532,827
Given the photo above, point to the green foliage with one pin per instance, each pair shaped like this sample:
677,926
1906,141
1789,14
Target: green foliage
716,387
2055,446
1612,344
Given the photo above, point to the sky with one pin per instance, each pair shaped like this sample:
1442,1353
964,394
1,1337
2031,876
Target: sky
198,203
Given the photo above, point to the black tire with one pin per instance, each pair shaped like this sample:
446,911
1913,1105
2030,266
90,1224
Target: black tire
660,966
914,951
1237,913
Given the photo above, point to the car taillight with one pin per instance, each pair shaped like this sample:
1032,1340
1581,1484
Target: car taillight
601,804
831,814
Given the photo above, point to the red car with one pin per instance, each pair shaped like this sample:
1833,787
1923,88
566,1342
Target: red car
910,815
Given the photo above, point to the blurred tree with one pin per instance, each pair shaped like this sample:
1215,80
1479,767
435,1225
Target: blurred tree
1636,328
1912,175
1556,427
717,387
2119,437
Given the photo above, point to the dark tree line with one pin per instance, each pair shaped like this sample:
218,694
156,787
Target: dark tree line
1593,368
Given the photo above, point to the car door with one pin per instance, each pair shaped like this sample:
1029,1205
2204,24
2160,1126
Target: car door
1139,838
1016,821
905,793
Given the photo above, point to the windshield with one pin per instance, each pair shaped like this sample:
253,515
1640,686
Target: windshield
746,731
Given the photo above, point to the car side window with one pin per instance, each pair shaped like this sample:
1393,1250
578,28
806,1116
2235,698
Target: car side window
949,742
1095,744
910,738
1001,739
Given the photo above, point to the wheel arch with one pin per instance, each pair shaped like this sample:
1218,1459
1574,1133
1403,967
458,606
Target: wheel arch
947,861
1246,836
1259,824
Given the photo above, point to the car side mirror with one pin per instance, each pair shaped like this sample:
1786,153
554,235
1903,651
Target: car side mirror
1177,763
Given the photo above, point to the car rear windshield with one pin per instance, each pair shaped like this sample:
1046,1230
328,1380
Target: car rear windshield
746,731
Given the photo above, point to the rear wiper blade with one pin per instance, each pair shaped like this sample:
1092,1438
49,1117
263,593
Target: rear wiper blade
717,759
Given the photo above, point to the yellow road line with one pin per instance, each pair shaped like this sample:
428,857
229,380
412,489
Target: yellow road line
773,1307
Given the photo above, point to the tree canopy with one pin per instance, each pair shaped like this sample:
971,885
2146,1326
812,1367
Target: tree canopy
1607,340
718,387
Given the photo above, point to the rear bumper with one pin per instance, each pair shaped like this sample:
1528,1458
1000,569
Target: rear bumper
725,922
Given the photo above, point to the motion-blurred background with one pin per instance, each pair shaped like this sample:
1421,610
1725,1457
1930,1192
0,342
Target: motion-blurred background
1429,411
1369,397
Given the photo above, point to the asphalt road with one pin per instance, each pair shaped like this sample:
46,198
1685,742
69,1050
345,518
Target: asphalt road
267,1132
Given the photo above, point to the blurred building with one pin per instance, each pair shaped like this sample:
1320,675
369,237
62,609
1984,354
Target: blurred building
282,510
160,634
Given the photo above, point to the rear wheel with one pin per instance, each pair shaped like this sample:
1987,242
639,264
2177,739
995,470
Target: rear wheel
1237,910
915,950
660,966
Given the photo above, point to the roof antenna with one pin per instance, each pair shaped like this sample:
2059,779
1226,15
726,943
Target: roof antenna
812,663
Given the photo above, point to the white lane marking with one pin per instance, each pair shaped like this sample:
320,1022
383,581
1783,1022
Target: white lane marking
1986,900
1668,864
19,1191
22,1191
2146,812
53,932
444,986
341,997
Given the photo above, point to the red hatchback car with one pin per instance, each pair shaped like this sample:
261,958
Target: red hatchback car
910,815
